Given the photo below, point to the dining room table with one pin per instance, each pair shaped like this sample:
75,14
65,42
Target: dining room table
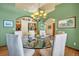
41,45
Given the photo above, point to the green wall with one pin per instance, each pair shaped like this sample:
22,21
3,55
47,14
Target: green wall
41,25
9,12
63,11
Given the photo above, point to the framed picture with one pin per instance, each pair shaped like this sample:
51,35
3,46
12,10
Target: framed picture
8,23
67,23
31,26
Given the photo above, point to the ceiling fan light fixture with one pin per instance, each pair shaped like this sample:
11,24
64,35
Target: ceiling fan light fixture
36,13
45,14
39,14
41,11
33,16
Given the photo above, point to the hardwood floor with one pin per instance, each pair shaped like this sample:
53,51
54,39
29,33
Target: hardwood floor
3,51
71,52
68,52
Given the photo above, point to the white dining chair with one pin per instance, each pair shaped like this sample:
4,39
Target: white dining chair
42,34
59,44
14,45
26,51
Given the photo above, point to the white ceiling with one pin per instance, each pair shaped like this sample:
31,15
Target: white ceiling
33,7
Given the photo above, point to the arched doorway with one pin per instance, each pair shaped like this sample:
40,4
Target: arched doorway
25,24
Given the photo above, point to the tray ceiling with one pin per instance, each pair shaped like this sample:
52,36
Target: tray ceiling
33,7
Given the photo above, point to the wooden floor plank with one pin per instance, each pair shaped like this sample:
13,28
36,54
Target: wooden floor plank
68,52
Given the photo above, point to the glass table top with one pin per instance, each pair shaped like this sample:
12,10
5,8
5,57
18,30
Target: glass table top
37,43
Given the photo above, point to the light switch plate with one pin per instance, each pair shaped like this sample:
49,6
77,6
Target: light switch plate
74,43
